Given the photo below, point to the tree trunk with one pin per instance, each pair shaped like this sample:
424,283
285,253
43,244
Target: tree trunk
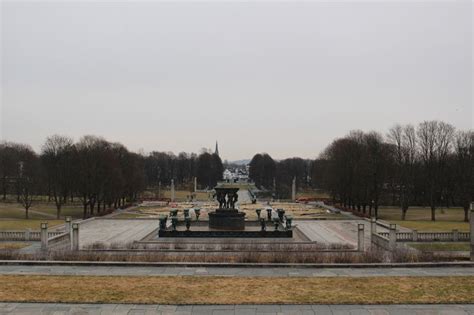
84,215
26,213
58,212
4,186
404,213
91,207
433,214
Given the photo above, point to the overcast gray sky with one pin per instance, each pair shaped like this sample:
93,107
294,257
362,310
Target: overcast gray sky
279,77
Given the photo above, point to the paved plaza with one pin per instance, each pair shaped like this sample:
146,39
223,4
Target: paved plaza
231,271
119,231
129,309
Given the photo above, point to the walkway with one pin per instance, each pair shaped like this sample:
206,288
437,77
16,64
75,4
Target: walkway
238,272
48,308
244,197
110,231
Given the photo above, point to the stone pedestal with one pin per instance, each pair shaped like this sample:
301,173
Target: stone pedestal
44,235
360,237
227,219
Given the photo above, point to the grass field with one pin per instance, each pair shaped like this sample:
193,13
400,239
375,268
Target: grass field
129,215
312,194
448,246
33,224
38,211
420,218
182,195
13,245
235,290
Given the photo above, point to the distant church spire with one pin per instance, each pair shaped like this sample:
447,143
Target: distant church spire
217,149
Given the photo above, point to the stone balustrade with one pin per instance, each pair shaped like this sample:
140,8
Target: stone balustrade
415,236
25,235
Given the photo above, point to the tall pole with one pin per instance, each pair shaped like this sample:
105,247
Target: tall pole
172,191
471,229
293,189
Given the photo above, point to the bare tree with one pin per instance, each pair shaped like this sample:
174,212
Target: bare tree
378,159
435,140
57,157
28,177
403,138
464,169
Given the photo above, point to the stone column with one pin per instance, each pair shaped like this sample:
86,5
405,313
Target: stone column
293,189
27,234
471,229
75,237
195,184
392,236
68,222
415,235
373,228
172,190
360,237
44,235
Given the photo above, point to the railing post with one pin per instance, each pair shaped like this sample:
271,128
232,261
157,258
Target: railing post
68,224
455,235
27,234
373,225
471,230
44,236
414,234
392,236
360,237
75,237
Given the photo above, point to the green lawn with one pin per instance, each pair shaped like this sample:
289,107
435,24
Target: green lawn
13,211
312,194
13,245
420,218
130,215
182,195
437,226
23,224
75,211
38,211
448,246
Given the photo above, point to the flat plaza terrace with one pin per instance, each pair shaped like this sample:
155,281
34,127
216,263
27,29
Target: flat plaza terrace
121,233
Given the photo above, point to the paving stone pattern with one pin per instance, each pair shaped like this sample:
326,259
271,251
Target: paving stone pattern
129,309
230,271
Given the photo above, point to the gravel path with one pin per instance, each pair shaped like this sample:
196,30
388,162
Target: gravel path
50,308
234,271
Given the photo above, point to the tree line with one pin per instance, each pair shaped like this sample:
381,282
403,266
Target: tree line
431,165
95,172
162,167
277,176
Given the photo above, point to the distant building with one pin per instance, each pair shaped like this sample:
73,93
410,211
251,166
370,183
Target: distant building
216,152
236,175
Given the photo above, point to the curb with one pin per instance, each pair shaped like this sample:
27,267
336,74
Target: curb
232,265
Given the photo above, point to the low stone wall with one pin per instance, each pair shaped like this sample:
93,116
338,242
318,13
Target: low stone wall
381,241
415,236
241,245
60,242
215,233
